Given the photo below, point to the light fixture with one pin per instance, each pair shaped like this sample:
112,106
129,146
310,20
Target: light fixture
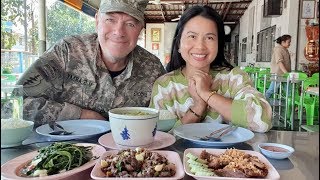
227,29
214,1
229,23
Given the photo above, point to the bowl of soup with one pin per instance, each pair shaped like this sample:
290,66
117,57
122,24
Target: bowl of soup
275,150
133,126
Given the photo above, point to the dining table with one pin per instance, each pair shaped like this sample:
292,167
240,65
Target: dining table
303,164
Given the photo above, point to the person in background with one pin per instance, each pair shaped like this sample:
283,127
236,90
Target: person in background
200,84
280,62
83,76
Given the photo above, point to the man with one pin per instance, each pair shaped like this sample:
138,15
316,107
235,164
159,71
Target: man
84,76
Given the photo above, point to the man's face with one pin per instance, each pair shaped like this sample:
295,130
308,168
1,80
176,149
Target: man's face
117,33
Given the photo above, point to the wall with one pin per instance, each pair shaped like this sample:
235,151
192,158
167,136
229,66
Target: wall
288,23
159,53
167,33
303,38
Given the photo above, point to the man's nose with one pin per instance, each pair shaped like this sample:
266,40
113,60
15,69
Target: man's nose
118,29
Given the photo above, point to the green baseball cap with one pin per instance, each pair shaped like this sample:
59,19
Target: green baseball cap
134,8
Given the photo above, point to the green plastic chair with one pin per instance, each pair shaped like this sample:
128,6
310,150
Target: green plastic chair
301,76
310,102
261,82
315,75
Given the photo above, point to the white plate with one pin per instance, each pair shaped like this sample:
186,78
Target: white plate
172,157
10,169
191,132
82,129
161,140
272,172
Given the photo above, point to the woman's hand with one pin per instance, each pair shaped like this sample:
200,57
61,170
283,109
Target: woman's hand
197,82
193,93
203,82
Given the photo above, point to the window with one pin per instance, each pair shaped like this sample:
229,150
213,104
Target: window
244,50
19,30
265,44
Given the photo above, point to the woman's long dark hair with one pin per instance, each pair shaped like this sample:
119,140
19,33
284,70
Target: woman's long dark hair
176,60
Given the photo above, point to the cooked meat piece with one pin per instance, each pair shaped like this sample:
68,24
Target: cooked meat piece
204,155
129,167
226,172
215,164
258,173
165,174
169,167
259,164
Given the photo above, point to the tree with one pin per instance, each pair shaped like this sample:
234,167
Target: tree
63,21
11,11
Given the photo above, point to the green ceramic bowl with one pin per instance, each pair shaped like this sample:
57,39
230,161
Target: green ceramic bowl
11,137
166,120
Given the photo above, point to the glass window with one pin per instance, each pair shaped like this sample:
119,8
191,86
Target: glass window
19,31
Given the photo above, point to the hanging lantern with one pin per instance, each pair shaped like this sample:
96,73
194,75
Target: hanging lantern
311,51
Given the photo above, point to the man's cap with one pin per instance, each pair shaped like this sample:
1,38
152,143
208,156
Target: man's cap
134,8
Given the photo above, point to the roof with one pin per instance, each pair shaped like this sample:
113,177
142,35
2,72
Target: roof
160,11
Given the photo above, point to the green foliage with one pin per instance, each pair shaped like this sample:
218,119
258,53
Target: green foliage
11,10
65,21
62,21
6,68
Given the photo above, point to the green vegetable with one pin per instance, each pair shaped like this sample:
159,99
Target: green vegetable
60,156
119,166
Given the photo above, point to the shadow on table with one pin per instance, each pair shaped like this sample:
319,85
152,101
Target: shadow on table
183,144
281,164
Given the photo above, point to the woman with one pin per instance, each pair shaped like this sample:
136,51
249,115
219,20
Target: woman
200,83
280,62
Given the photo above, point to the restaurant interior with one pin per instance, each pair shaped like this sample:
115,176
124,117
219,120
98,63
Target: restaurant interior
251,28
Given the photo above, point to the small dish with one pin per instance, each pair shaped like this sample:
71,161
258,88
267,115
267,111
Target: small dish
173,157
275,151
161,140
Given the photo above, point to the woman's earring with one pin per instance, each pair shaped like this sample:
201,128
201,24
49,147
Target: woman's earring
179,50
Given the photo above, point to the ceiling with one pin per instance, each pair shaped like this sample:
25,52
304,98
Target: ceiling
168,10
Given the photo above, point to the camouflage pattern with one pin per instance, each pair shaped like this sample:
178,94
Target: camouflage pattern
71,76
134,8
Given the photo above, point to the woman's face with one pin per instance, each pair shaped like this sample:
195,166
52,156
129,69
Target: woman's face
286,43
199,42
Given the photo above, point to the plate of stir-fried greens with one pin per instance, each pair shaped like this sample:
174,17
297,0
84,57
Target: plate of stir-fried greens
56,161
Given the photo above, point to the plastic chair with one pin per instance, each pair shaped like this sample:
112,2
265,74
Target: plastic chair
297,91
310,102
261,83
315,75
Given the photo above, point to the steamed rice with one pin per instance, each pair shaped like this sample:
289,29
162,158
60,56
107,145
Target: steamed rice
166,114
14,123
